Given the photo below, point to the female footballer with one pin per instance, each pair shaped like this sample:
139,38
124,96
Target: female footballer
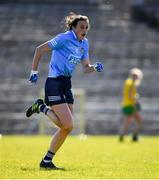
67,50
130,105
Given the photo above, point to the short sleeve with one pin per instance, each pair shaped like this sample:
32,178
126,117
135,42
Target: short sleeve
57,42
86,51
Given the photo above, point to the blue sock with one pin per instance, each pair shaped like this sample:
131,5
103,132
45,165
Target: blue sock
48,157
43,108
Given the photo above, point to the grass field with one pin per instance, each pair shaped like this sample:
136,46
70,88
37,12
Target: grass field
95,157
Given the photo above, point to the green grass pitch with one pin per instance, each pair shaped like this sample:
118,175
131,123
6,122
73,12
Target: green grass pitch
96,157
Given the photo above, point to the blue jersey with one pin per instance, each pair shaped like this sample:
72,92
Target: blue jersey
67,52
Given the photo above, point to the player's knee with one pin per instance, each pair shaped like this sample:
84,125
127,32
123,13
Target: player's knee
68,127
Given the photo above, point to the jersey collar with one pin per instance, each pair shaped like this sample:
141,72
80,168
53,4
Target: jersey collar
75,37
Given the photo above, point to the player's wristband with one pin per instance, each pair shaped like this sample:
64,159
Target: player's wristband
94,67
33,72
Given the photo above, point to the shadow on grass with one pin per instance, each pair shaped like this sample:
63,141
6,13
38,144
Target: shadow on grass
43,169
27,169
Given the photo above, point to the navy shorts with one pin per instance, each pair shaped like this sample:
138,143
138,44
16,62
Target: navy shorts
58,91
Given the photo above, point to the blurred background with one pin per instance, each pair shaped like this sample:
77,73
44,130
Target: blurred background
124,34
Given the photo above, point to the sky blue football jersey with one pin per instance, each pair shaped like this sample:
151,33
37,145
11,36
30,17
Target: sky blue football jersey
67,52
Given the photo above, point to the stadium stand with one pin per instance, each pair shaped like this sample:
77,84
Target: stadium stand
146,11
115,39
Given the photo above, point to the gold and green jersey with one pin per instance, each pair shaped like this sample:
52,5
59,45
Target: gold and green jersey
129,93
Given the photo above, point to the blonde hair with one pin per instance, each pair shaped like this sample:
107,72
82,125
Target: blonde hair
72,19
138,73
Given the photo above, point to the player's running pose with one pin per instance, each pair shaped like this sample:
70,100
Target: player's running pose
68,49
130,105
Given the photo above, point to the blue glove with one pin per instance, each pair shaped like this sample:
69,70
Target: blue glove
33,76
98,67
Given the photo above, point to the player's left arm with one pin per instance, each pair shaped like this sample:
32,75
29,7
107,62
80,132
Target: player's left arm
88,68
